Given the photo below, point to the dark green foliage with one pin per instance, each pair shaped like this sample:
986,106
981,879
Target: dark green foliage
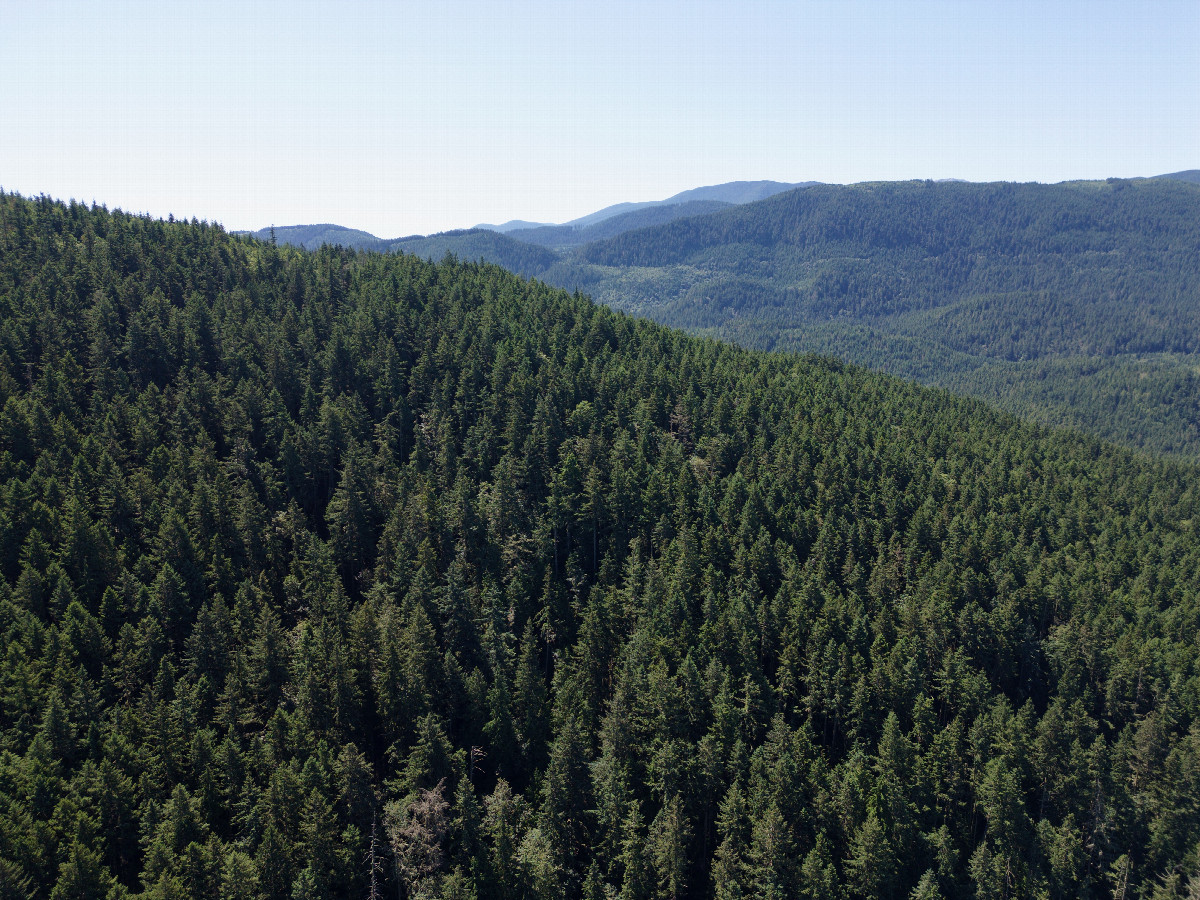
320,571
1073,304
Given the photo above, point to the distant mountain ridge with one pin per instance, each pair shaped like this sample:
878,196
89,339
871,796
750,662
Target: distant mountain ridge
1192,175
732,192
312,237
511,225
572,233
479,243
738,192
561,237
566,234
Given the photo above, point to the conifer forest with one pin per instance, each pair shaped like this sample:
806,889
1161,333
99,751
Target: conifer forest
346,574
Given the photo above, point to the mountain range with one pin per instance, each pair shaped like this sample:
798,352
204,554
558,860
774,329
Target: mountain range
577,231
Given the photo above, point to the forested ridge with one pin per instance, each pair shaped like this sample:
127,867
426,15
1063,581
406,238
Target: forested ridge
340,574
1071,304
1056,302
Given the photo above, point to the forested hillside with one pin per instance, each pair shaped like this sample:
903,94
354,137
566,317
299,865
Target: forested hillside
339,574
1058,302
1073,304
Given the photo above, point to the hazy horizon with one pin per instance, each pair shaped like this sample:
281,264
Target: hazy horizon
420,118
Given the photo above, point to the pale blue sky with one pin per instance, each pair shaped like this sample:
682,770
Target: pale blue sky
414,117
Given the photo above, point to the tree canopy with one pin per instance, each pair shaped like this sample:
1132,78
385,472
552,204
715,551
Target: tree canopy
335,574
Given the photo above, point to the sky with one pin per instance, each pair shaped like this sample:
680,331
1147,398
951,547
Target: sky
413,117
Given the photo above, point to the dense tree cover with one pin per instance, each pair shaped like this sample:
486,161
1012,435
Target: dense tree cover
1148,401
333,574
947,278
1069,304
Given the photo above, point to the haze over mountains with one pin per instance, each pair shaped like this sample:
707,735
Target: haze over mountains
1192,175
715,196
561,237
731,193
513,225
